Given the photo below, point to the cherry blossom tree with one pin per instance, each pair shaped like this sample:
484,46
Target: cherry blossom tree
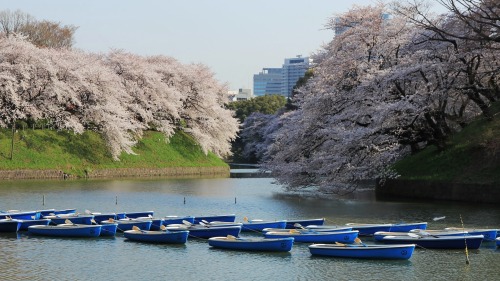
117,95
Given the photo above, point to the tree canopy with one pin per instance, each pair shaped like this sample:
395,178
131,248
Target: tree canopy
118,95
387,86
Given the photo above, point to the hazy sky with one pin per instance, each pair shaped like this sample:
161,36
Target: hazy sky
235,38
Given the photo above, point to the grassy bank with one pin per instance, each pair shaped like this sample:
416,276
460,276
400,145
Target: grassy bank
73,154
472,156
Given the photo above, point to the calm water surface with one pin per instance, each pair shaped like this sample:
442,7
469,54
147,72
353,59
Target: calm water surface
26,257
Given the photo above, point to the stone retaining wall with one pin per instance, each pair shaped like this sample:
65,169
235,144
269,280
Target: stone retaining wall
417,189
117,173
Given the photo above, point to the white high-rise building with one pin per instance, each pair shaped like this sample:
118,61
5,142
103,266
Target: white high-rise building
280,81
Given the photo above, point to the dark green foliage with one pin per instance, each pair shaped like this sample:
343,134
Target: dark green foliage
268,104
471,156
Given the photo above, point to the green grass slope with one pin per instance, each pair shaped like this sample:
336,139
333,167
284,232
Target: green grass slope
472,156
73,154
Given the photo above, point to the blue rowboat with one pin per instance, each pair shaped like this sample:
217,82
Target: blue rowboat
66,230
156,223
438,242
200,231
222,218
379,235
168,237
368,229
489,234
128,224
314,237
27,223
134,215
405,227
403,252
498,241
98,217
74,218
10,225
177,219
290,224
252,244
328,228
53,212
109,229
259,225
310,228
20,215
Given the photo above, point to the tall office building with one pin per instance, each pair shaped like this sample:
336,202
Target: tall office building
293,70
280,81
267,82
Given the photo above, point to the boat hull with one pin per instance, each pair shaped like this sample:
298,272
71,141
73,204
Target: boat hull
128,224
369,229
252,244
439,242
177,219
290,224
221,218
76,219
134,215
10,225
109,229
402,252
170,237
78,230
102,217
29,215
498,241
208,232
405,227
27,223
316,237
259,226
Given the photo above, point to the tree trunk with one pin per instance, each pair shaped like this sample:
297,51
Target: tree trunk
12,141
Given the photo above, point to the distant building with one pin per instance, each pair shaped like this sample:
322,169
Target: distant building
241,94
280,81
268,82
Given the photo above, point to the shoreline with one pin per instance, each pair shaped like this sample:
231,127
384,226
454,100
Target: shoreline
116,173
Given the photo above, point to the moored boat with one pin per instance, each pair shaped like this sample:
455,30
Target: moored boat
497,240
53,212
128,224
315,237
489,234
20,215
156,223
309,229
27,223
134,215
438,242
200,231
75,218
379,235
109,229
368,229
252,244
221,218
66,230
290,224
177,219
157,236
10,225
403,251
259,225
405,227
98,217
